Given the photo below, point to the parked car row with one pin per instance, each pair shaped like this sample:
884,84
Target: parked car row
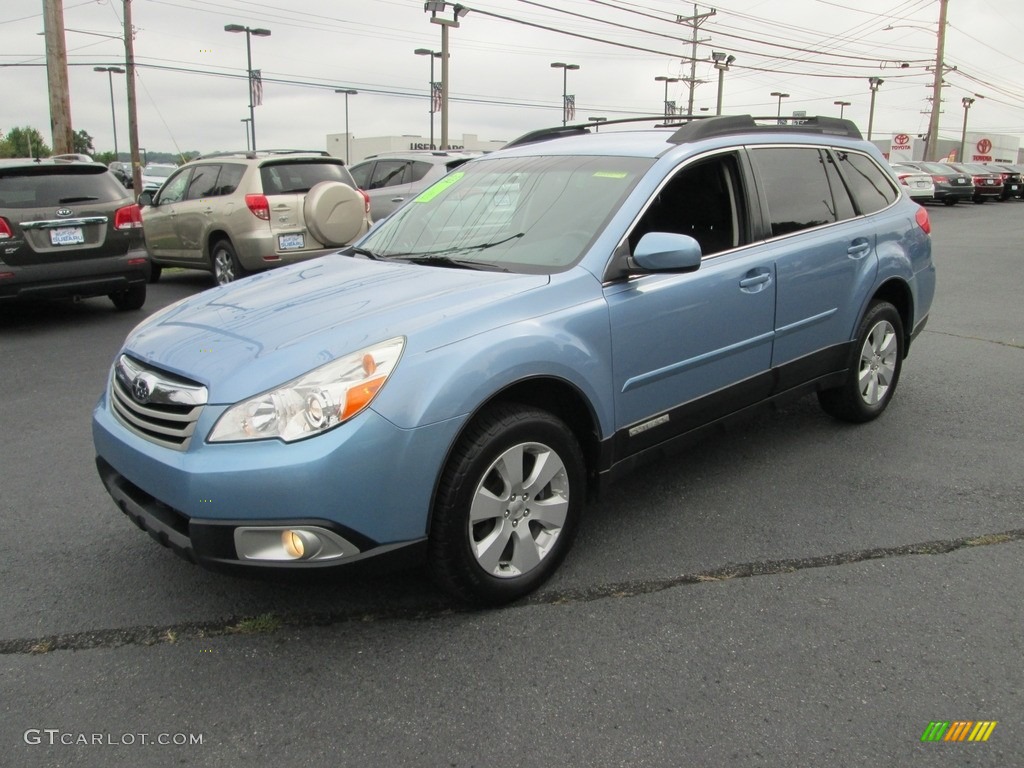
957,182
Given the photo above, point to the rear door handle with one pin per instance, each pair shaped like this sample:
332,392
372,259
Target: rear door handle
859,248
397,199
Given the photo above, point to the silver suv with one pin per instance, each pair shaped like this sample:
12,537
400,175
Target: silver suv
391,178
234,213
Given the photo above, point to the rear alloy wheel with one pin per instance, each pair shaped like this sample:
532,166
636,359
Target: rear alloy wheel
874,370
507,505
132,297
226,267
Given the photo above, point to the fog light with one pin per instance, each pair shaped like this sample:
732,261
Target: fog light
291,544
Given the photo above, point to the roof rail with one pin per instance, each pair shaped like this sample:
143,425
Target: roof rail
704,126
252,155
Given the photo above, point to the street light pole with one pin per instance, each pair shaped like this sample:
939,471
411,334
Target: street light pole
781,96
246,121
249,32
874,83
113,115
433,7
666,80
433,55
565,86
842,106
966,101
722,61
348,92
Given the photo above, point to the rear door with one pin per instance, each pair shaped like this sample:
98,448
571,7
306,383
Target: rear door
824,251
194,212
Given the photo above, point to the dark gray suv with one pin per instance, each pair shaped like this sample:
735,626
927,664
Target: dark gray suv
69,229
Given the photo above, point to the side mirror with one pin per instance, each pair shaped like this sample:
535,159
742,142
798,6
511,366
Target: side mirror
146,198
667,252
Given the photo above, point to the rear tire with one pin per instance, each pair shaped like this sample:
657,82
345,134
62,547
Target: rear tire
154,272
949,201
507,506
132,297
226,266
874,367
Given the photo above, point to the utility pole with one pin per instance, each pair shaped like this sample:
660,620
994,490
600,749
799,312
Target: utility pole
57,77
694,22
133,116
932,146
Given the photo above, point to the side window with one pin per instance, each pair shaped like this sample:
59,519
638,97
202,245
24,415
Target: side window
173,190
229,179
796,188
705,201
869,184
844,205
361,174
204,179
417,170
388,173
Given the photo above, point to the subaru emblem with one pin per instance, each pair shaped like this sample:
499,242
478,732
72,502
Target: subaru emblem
142,388
64,211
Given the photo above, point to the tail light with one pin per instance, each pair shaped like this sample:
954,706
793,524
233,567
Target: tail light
129,217
940,179
903,178
259,205
366,201
5,229
921,217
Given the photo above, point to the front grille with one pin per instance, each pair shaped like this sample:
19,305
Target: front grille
156,405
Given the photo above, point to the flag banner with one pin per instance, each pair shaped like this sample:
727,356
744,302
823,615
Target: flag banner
570,107
256,87
435,97
670,108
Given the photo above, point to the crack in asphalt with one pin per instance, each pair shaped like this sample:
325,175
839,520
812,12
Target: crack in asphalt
1011,344
270,623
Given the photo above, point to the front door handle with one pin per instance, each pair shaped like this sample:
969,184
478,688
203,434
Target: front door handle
755,280
397,199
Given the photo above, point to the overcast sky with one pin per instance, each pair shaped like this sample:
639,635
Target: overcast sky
193,95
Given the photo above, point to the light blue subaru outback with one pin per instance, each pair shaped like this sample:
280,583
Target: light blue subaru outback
535,323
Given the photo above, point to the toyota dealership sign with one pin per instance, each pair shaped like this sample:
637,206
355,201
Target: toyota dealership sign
901,148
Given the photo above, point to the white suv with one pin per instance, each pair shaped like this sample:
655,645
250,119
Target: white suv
235,213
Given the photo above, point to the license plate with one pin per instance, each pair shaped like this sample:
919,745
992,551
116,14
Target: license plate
291,242
67,236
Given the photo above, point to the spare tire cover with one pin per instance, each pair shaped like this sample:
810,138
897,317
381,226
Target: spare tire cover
334,213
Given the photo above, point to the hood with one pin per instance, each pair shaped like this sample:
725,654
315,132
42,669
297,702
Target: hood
255,334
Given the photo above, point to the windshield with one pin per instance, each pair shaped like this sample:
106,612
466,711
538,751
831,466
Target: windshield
162,171
518,214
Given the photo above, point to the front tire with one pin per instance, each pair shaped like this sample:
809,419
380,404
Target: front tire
507,505
226,266
874,368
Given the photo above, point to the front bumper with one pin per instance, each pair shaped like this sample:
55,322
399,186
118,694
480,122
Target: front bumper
367,482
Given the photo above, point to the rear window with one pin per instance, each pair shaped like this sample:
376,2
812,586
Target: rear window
285,178
47,186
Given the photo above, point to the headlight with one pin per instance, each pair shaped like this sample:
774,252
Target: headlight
315,402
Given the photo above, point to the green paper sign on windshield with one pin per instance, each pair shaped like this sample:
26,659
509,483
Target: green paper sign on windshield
431,192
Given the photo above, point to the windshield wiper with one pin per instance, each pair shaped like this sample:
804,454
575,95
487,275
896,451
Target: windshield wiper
447,261
422,256
362,252
82,199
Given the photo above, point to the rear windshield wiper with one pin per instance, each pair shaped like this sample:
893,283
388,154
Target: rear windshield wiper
82,199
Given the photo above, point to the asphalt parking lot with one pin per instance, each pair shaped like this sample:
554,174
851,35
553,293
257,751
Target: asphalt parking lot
797,592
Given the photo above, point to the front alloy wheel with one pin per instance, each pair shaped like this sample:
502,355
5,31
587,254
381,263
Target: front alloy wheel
507,505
